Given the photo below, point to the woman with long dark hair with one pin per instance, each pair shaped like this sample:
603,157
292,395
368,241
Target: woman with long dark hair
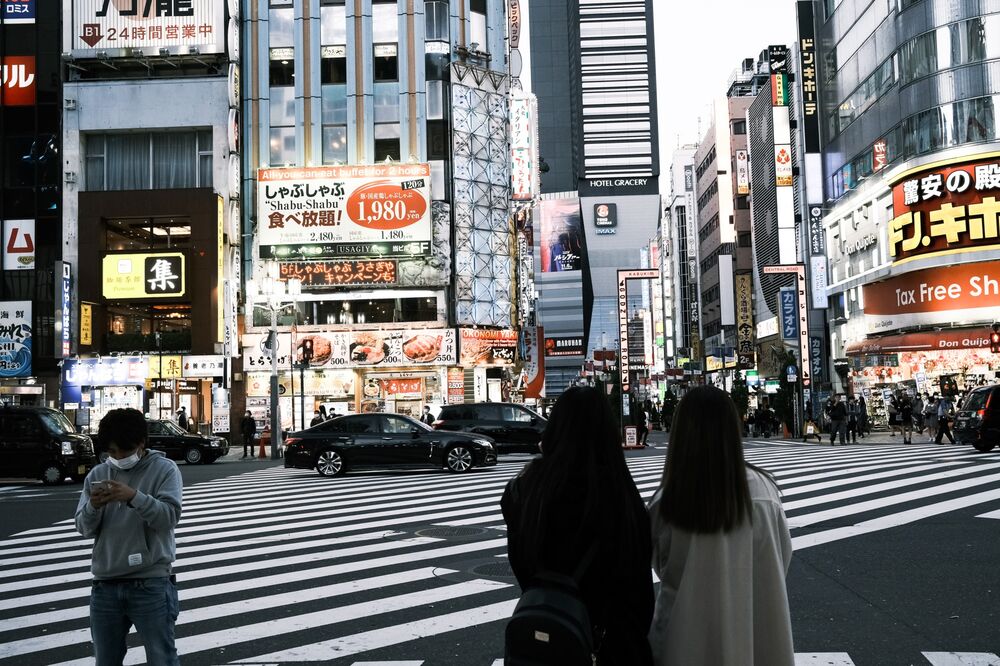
720,546
578,493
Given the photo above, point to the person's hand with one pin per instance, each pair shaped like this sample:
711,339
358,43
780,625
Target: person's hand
110,491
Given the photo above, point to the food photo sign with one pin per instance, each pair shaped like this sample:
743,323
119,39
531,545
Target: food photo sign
358,349
484,346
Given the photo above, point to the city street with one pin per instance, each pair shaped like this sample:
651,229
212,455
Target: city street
895,563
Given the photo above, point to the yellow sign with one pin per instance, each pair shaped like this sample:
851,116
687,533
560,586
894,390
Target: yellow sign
171,366
86,324
153,275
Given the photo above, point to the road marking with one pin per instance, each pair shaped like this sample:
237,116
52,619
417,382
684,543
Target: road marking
992,514
962,658
823,659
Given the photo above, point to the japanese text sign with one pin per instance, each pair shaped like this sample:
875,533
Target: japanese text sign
744,320
308,209
523,148
18,11
120,371
787,307
481,346
15,339
564,347
17,81
176,25
320,274
946,209
18,245
742,172
808,75
156,275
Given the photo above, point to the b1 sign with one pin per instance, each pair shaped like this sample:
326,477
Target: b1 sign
180,26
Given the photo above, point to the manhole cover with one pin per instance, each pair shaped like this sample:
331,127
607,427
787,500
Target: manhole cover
451,532
494,569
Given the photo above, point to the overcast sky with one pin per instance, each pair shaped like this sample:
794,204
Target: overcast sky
698,44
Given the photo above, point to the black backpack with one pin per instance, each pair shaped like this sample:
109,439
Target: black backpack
550,624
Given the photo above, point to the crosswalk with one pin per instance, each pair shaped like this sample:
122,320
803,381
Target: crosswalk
281,566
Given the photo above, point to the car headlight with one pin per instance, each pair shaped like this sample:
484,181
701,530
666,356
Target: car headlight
484,443
214,442
67,448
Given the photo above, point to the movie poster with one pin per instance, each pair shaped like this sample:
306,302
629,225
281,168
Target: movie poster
562,241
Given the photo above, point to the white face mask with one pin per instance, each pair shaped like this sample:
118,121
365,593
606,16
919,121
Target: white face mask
125,463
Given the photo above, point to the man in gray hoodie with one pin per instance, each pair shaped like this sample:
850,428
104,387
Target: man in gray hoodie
130,506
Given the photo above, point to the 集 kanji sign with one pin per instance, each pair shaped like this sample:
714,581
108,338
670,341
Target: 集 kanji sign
156,275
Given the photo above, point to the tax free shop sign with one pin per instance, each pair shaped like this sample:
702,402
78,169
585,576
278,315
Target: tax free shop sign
338,208
967,293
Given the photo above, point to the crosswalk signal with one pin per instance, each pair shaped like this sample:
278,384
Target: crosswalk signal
995,339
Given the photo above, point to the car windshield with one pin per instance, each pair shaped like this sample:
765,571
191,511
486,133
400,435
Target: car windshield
976,400
57,423
418,424
172,428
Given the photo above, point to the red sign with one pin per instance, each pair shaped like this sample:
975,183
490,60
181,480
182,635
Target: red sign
17,81
946,208
341,273
403,388
456,386
879,155
963,338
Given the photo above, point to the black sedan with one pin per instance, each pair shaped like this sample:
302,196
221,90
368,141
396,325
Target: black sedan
380,440
178,444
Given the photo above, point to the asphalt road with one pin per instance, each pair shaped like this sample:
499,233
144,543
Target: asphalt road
896,562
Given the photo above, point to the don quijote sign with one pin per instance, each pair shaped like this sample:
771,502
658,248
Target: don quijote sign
946,208
319,212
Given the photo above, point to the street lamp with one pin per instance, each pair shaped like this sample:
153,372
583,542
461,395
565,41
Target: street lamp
270,293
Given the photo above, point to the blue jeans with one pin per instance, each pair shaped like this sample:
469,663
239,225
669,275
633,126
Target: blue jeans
148,603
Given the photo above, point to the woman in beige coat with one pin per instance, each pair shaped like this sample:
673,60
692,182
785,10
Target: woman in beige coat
720,546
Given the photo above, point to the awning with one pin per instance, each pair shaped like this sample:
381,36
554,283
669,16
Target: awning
961,338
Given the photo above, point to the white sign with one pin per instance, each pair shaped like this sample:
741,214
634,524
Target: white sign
202,366
524,148
18,245
818,282
742,172
349,205
782,165
767,328
180,26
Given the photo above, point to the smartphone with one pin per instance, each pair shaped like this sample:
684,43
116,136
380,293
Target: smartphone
100,487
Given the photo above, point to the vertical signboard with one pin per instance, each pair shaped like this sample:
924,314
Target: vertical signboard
86,324
777,58
880,156
808,75
17,85
63,287
17,12
779,90
18,245
523,148
15,339
782,165
742,172
744,321
787,313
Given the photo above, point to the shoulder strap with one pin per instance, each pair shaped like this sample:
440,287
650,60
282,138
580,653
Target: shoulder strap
588,557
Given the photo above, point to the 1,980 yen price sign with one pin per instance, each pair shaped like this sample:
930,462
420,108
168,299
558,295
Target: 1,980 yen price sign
387,206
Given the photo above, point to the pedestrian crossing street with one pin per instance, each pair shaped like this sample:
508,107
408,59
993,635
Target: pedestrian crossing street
281,566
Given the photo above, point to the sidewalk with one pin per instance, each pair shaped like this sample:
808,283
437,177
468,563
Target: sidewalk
876,438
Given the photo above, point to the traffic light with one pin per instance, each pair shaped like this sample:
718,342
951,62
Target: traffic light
995,339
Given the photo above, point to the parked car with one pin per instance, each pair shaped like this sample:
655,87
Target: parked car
513,427
978,419
378,440
178,444
41,443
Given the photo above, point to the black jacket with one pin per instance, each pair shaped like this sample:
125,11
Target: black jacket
838,412
248,426
618,585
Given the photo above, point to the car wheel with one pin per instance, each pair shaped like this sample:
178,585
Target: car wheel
330,463
984,447
52,474
193,455
458,459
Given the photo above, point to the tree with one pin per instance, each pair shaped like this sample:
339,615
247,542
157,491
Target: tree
740,394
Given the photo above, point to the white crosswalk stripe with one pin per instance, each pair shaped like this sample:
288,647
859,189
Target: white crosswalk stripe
282,566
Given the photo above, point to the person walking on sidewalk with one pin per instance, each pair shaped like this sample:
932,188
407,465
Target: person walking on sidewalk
248,428
838,420
930,416
130,506
893,410
864,424
906,417
944,410
853,419
721,546
918,413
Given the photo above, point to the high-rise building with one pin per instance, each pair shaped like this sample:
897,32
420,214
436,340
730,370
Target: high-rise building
149,137
593,74
679,249
376,172
909,138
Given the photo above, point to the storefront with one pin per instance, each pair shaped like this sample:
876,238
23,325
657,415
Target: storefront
91,387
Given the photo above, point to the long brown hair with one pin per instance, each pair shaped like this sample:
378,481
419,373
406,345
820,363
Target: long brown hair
704,485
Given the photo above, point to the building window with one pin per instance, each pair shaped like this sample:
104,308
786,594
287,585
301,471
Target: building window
968,42
436,21
973,121
333,65
918,57
385,65
333,23
477,19
385,23
743,239
334,144
742,202
334,108
148,160
282,121
739,127
386,102
123,235
386,142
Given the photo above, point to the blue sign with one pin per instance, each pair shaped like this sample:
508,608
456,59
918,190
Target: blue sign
18,11
108,371
788,304
15,339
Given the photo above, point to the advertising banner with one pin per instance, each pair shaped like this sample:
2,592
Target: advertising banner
456,386
63,290
782,165
18,245
86,324
808,75
963,292
742,172
816,356
946,208
779,90
17,83
562,240
605,218
15,339
818,281
787,308
332,384
153,275
329,274
744,321
817,235
355,349
481,346
534,362
181,26
119,371
523,148
319,212
564,347
205,367
880,156
18,12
